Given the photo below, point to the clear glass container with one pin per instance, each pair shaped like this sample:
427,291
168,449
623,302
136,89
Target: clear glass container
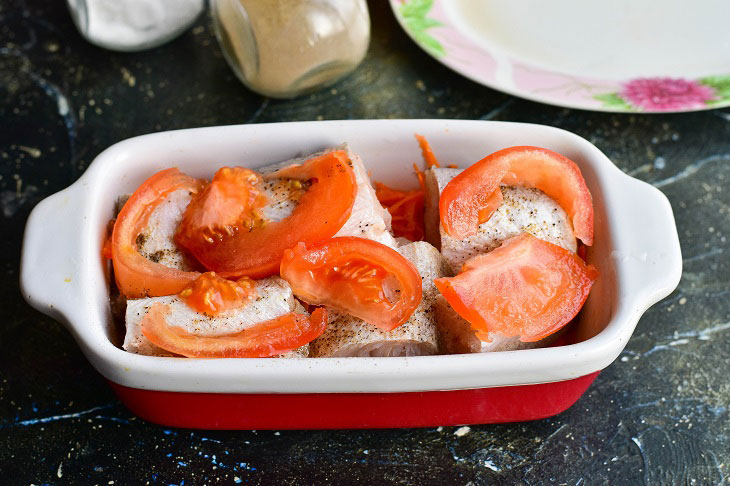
133,25
284,48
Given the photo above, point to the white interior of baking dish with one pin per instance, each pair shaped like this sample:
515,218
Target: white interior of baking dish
636,251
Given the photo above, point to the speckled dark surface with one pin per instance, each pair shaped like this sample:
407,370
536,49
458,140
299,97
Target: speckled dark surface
658,415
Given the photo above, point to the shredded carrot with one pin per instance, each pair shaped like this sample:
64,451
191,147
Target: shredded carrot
421,177
406,209
452,166
428,155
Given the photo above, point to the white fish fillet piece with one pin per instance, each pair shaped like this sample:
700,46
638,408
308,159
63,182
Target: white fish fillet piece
155,242
524,210
457,337
274,299
349,336
282,197
368,218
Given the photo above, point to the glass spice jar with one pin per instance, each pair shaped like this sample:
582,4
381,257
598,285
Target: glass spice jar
285,48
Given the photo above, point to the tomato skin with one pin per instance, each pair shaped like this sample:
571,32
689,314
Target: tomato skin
356,276
137,276
473,195
322,211
263,340
527,287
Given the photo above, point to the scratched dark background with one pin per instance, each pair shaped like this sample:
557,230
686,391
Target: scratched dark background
658,415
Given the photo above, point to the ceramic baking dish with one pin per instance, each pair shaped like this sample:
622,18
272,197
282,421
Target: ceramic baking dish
636,250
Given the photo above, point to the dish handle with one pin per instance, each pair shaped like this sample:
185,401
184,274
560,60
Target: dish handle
647,252
52,258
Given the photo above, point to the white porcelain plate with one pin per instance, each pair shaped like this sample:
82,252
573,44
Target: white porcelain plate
622,56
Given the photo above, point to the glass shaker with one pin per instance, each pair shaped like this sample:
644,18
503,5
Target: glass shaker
133,25
284,48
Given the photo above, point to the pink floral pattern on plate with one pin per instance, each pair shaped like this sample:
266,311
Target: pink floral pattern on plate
427,23
668,94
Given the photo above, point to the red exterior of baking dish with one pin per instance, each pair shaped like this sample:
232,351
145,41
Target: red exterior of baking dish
353,410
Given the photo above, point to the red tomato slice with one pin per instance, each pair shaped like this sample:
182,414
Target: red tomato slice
263,340
472,196
527,287
321,212
363,278
210,294
137,276
230,203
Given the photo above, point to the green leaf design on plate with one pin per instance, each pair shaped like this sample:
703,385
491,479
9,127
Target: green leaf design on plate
416,8
415,21
613,101
721,85
420,24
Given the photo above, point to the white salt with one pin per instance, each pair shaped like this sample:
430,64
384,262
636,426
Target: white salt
130,25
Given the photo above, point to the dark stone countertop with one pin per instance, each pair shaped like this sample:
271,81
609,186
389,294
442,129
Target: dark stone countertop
658,415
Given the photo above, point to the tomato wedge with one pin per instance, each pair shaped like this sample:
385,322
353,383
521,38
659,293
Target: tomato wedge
211,295
363,278
137,276
263,340
472,196
527,287
321,212
230,203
